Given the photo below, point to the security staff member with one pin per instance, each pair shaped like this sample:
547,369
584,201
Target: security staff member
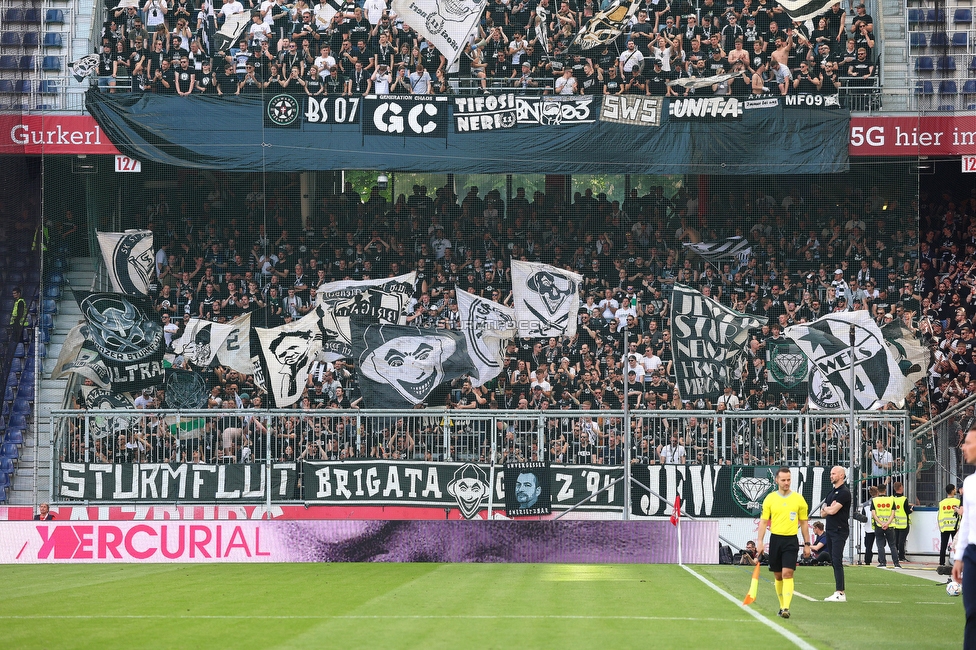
18,316
783,512
837,508
883,513
948,520
900,523
964,567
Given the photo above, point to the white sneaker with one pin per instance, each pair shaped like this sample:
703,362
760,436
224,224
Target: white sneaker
837,597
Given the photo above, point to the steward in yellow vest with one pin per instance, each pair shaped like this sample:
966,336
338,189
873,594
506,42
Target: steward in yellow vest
902,511
948,520
883,513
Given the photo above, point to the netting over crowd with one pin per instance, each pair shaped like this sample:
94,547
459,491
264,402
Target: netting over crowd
174,48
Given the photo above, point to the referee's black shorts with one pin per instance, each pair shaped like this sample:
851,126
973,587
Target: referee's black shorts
783,551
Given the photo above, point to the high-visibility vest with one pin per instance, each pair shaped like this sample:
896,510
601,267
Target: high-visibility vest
900,521
19,304
883,507
948,521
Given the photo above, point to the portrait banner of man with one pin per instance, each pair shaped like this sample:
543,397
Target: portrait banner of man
527,489
286,354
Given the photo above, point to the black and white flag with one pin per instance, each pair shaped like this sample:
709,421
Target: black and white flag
287,352
80,357
445,23
701,82
803,10
97,399
228,343
399,365
827,343
401,287
546,299
604,27
911,355
130,260
84,67
186,390
737,248
787,369
230,34
487,326
707,342
324,12
127,334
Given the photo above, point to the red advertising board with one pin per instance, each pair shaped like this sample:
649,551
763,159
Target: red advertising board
53,134
923,135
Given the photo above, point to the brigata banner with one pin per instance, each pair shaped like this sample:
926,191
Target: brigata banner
718,490
602,542
926,135
176,482
448,486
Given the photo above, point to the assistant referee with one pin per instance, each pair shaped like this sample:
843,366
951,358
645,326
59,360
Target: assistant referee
783,512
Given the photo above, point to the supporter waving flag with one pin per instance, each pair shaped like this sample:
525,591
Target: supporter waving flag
546,299
605,26
803,10
732,247
487,326
445,23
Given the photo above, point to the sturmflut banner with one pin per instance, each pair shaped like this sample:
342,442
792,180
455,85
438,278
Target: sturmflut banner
707,341
176,482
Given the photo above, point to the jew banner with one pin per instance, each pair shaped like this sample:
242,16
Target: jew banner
527,489
546,299
286,354
707,341
445,24
787,370
737,248
399,366
604,27
127,334
487,326
130,260
176,482
878,379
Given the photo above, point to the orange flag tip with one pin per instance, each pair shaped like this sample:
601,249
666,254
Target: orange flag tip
748,600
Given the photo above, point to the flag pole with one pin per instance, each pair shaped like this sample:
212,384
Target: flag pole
678,525
491,475
853,443
627,425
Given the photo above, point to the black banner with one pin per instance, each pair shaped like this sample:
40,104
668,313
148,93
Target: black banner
406,115
719,490
787,369
332,110
527,489
176,482
484,112
569,110
282,111
444,485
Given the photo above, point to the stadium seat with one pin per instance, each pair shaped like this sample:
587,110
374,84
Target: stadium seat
960,39
10,451
47,321
26,63
22,86
10,39
17,365
53,291
948,87
53,64
6,465
14,15
49,306
44,337
3,495
935,15
30,39
917,39
924,64
939,39
10,394
4,480
53,39
42,350
14,437
962,16
8,62
914,16
25,392
32,16
969,88
17,421
21,407
54,17
20,351
6,86
923,88
943,64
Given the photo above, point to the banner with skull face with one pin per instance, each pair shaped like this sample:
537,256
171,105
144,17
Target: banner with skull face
605,27
228,343
878,379
129,259
546,299
445,23
286,353
399,366
487,326
127,334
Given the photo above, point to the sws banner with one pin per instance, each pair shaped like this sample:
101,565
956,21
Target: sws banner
423,116
449,485
719,490
176,482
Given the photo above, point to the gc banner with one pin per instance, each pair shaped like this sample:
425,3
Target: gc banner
719,490
406,115
527,489
176,482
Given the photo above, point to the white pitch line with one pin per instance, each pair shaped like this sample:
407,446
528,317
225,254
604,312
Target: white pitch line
805,597
797,641
373,617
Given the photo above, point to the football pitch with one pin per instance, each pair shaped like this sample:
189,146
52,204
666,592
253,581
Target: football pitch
462,606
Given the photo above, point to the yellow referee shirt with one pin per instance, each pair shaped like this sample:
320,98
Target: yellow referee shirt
784,513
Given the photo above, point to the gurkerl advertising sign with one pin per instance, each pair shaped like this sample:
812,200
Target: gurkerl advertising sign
928,135
53,134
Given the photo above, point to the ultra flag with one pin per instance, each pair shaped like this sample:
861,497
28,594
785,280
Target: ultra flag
717,251
604,27
286,353
546,299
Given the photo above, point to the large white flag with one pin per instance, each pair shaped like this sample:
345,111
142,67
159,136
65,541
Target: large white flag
445,23
287,352
546,299
229,343
827,343
129,260
487,326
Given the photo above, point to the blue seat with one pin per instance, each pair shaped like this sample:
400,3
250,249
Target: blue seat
17,421
51,64
45,337
946,108
924,88
25,392
939,39
14,437
946,64
972,64
47,321
21,407
49,306
3,495
915,16
8,62
30,39
20,351
6,86
14,15
962,16
960,39
948,87
10,451
32,16
53,291
27,377
935,15
42,350
917,39
10,394
6,465
10,39
4,480
924,64
26,63
969,88
54,17
22,86
17,365
53,39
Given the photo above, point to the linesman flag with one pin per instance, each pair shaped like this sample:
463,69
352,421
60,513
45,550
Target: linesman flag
753,586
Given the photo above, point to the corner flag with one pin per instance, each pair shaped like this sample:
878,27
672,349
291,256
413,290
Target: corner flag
676,512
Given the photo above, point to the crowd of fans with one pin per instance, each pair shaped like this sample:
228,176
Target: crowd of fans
525,45
815,249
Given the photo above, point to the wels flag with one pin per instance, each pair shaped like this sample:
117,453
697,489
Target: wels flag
546,299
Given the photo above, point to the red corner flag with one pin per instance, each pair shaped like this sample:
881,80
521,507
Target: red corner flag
676,513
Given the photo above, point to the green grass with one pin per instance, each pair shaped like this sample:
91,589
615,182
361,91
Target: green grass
457,606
